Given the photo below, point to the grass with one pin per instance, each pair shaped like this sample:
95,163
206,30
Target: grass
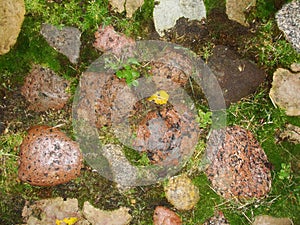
257,113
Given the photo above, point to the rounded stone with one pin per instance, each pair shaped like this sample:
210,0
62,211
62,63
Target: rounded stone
182,193
165,216
48,157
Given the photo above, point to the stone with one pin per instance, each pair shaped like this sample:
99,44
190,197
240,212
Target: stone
51,211
270,220
182,193
295,67
288,20
165,216
238,166
167,12
237,77
235,10
44,90
101,217
48,157
65,40
11,20
285,91
108,40
291,133
218,219
130,6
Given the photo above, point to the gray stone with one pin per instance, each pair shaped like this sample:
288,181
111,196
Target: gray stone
235,10
11,19
288,20
65,40
237,77
285,91
167,12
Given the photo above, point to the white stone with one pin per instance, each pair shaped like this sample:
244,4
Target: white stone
167,12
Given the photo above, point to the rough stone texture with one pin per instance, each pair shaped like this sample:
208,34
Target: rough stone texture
237,77
57,210
48,157
285,91
165,216
108,40
182,193
167,12
130,5
218,219
291,133
65,40
269,220
235,10
295,67
11,19
44,89
288,20
166,135
238,166
100,217
50,210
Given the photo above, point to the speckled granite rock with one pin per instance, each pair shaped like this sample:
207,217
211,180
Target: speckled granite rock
285,91
48,157
65,40
182,193
288,20
238,166
45,90
11,19
108,40
217,219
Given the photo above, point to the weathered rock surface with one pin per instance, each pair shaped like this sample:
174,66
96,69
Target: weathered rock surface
288,20
269,220
48,157
167,12
50,211
108,40
66,211
218,219
101,217
291,133
130,6
238,166
65,40
235,10
45,90
165,216
11,19
182,193
237,77
285,91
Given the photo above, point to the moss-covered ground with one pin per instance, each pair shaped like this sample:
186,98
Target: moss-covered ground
256,112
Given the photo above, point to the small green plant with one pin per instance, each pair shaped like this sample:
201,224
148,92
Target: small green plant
129,72
285,172
204,119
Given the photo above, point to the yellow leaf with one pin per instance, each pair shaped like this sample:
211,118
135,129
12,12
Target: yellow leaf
67,221
160,97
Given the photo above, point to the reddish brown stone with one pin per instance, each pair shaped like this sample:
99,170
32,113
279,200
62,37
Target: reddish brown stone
165,216
48,157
